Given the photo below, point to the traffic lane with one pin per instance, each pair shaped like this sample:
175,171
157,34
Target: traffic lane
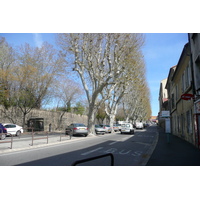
66,154
24,156
131,150
134,151
126,153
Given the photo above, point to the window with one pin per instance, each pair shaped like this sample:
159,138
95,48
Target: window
178,120
177,95
173,101
10,126
183,82
187,76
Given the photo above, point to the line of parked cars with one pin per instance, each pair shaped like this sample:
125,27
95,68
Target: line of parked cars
7,129
81,129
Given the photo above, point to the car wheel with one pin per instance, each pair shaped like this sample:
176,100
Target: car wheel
18,133
2,136
86,135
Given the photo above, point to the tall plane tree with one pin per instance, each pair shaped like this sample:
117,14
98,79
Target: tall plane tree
100,60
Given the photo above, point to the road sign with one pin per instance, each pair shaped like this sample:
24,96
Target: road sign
187,96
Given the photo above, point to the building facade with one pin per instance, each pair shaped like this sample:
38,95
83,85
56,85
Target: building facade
194,43
163,103
181,110
183,88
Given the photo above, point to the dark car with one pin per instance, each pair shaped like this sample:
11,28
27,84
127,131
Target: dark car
76,129
3,132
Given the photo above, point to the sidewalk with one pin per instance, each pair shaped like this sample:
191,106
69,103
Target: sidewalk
176,152
25,143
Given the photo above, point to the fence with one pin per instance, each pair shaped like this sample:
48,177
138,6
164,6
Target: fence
45,137
65,135
41,135
11,140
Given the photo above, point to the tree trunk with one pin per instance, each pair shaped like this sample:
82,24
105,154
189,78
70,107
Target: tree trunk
91,120
112,119
24,119
60,120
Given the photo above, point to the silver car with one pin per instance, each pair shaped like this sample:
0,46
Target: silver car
99,130
77,129
106,128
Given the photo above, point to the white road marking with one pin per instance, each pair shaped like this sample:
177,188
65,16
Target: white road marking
113,143
88,152
112,150
123,153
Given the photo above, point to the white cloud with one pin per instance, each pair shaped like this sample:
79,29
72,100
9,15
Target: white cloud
38,39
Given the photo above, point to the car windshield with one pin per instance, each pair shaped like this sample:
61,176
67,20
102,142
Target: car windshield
97,126
79,125
125,125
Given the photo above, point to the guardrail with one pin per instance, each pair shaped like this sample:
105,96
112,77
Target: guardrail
45,137
33,137
94,158
65,135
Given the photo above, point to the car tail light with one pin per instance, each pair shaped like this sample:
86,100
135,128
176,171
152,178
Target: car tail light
75,128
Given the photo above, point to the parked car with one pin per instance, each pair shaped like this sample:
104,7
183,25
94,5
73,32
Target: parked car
99,130
139,125
106,127
3,132
77,129
115,127
13,129
119,126
127,128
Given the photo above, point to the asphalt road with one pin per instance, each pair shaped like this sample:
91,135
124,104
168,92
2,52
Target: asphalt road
128,150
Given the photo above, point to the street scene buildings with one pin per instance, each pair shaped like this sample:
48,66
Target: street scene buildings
179,96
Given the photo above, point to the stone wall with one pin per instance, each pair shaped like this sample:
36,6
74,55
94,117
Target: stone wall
49,117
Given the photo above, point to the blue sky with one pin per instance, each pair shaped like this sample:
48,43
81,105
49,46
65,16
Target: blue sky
161,52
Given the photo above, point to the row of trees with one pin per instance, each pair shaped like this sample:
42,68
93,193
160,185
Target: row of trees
110,69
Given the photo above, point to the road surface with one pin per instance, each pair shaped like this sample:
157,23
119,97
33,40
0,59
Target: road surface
128,150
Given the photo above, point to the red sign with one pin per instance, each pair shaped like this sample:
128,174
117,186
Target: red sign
187,96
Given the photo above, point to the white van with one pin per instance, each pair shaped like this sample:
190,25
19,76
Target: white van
139,125
127,128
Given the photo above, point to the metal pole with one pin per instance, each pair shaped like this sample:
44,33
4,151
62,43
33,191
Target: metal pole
32,139
47,137
11,141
